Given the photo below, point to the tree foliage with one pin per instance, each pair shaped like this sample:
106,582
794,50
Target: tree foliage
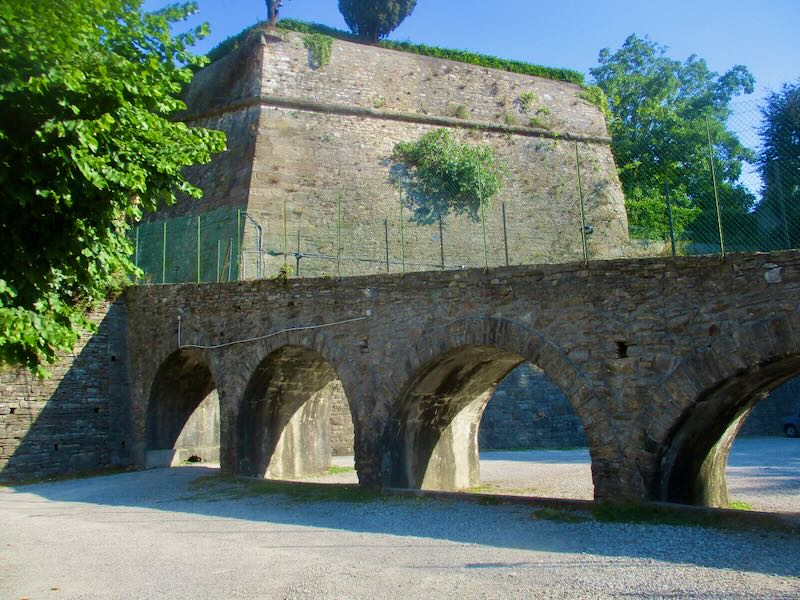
375,19
441,175
86,146
662,113
779,165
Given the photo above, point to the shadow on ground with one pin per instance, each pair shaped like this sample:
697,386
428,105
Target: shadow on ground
199,491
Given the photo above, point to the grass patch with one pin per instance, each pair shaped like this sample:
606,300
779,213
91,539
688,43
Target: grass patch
230,488
483,487
459,111
463,56
559,516
739,505
649,514
334,470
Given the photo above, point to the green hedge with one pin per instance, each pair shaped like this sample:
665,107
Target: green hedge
463,56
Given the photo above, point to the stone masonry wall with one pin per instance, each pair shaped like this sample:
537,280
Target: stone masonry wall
528,410
768,415
633,344
310,148
78,418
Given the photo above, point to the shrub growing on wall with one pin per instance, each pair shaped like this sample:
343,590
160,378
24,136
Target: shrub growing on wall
440,175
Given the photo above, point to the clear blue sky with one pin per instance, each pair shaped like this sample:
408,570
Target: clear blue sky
763,35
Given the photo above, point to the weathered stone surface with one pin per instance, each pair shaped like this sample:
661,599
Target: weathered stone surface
416,357
77,418
528,410
409,325
308,145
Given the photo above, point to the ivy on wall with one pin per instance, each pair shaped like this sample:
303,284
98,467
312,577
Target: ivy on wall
440,175
319,47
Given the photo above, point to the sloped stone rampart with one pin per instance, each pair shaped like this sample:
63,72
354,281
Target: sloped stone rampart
77,419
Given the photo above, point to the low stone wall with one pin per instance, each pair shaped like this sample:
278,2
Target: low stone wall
767,416
529,411
76,419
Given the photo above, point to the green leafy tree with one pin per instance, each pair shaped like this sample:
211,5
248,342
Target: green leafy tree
441,175
663,111
779,165
375,19
87,89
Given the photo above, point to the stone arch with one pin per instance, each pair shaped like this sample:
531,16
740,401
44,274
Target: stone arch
183,411
702,403
444,385
283,417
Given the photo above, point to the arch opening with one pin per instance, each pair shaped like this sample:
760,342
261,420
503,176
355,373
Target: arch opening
285,417
437,431
694,463
183,413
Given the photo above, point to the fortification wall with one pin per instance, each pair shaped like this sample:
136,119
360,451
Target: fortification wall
78,418
317,145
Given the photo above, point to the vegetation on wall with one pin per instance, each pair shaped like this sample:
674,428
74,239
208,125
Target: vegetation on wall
594,94
463,56
319,46
87,144
440,175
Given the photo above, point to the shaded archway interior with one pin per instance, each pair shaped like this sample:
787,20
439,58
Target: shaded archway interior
693,465
183,415
434,444
283,427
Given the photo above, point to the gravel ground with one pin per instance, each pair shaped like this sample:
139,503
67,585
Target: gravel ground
156,534
763,472
153,534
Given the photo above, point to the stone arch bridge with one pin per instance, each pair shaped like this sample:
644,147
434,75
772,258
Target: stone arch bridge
660,358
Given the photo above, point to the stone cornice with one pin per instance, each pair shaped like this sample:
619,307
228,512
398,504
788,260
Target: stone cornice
267,101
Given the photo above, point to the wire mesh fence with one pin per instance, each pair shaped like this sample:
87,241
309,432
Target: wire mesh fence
724,188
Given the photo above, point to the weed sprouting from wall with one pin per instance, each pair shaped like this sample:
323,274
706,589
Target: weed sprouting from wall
319,49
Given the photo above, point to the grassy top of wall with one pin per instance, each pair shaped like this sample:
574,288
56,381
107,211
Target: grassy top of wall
463,56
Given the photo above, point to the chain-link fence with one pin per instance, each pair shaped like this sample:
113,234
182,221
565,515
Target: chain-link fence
721,188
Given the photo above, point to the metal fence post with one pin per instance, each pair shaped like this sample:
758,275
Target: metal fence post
219,251
230,259
441,241
285,236
198,249
339,234
716,191
297,256
238,244
164,255
136,250
402,236
386,241
583,212
505,233
669,218
483,229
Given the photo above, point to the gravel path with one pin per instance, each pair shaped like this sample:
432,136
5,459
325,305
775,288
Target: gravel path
155,534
